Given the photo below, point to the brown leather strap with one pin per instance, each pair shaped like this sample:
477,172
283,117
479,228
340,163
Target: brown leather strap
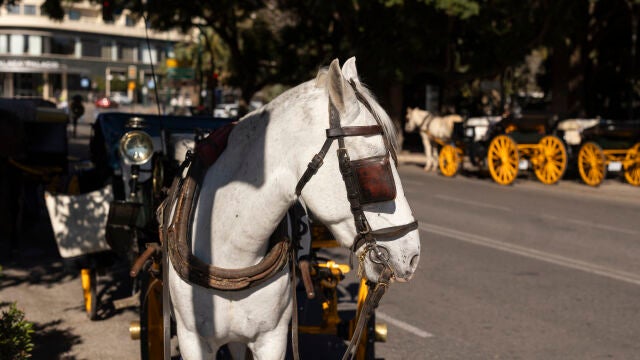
354,131
152,249
371,303
389,233
294,320
305,271
366,104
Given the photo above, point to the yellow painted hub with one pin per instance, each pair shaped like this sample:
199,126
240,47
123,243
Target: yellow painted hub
591,164
551,160
632,165
503,159
449,160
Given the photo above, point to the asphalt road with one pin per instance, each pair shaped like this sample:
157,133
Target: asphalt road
520,272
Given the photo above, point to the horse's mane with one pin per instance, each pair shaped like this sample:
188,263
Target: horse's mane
387,124
389,128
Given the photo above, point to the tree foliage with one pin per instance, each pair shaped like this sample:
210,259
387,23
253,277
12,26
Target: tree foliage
452,43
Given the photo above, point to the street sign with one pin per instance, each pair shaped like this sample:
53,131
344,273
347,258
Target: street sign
131,72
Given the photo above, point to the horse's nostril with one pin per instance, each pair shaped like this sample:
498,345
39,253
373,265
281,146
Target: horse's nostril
414,262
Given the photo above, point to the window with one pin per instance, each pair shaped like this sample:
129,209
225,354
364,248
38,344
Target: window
62,45
4,44
30,10
13,9
17,44
148,56
129,21
90,48
35,45
74,15
105,51
129,54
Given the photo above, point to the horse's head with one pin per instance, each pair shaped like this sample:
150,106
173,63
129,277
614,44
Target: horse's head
381,229
415,118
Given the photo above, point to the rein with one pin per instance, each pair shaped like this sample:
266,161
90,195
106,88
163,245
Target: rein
356,175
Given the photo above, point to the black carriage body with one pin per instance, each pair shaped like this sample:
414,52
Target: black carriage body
131,222
34,133
613,134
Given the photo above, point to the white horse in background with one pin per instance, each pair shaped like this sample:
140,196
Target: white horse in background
431,127
573,129
248,190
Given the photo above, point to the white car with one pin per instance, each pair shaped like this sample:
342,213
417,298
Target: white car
121,98
226,110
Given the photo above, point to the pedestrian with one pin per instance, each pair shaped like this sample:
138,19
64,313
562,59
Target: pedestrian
77,110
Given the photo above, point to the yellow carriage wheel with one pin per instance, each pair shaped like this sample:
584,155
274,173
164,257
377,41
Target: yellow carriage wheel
632,165
551,161
591,164
449,160
88,278
503,159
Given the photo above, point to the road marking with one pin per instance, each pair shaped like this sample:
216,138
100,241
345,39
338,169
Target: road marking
594,225
534,254
473,203
403,325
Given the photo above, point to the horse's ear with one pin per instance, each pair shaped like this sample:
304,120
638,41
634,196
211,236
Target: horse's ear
321,78
349,70
340,92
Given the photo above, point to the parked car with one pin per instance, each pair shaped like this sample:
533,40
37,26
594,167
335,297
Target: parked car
106,103
226,111
121,98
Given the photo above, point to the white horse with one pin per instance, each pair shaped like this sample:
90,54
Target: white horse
249,189
573,129
431,127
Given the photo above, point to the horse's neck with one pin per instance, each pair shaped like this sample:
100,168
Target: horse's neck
249,189
422,119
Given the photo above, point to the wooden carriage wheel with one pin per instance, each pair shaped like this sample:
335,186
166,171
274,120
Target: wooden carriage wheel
591,164
88,278
551,162
503,159
632,165
449,160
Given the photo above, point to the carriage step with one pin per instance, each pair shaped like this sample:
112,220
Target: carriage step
131,301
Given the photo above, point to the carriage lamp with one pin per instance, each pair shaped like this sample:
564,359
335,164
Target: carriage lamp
136,147
469,132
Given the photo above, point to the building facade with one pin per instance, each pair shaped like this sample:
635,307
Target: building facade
81,55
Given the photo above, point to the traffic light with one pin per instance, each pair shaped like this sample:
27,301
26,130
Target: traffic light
107,11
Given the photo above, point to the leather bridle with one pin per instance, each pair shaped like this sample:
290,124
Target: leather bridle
367,237
357,176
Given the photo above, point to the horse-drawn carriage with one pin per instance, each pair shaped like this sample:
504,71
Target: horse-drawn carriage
226,269
33,159
507,146
610,146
